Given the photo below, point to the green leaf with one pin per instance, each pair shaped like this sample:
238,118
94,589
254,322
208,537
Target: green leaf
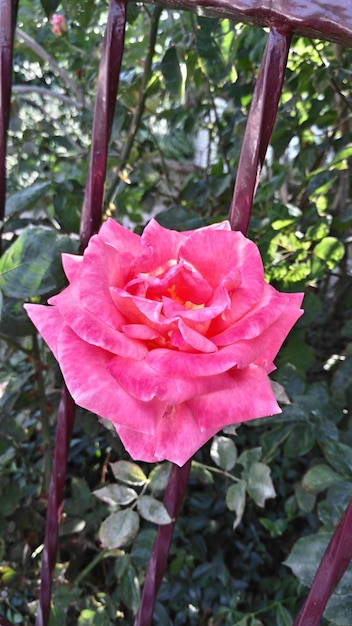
306,556
80,11
318,478
130,589
159,476
339,456
283,617
247,458
14,320
260,486
339,610
129,473
330,250
224,453
305,500
119,529
32,266
116,494
153,510
236,500
24,199
300,441
201,473
170,69
50,6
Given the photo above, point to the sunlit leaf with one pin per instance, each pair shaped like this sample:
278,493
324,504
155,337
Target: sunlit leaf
119,529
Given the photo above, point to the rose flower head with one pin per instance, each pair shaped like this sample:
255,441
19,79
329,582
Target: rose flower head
170,336
58,23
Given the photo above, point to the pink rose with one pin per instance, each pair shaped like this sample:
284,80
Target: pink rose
58,24
170,336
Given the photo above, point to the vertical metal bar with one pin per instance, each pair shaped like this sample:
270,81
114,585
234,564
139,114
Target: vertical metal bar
8,14
259,126
108,78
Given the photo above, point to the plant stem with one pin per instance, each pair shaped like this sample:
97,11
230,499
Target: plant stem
173,499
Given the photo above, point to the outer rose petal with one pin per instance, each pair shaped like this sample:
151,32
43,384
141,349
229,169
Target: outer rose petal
48,321
160,246
72,264
91,328
185,364
85,371
249,397
178,437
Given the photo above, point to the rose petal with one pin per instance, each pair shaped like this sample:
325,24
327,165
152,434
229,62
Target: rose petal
187,338
92,329
72,264
85,370
48,321
177,438
184,364
249,397
144,383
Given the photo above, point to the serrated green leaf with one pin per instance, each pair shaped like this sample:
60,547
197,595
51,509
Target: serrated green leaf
129,473
119,529
170,69
223,452
153,510
259,484
318,478
236,500
116,494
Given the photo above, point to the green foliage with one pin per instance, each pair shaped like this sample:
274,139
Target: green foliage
256,492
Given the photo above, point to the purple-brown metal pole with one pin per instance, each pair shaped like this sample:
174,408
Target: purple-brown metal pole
8,14
108,80
109,71
333,565
65,421
259,126
173,499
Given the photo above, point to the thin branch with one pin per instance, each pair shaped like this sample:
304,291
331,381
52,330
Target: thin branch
48,93
31,43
